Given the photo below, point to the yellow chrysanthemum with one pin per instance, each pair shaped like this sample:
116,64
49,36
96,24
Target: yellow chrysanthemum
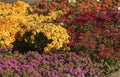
46,49
14,22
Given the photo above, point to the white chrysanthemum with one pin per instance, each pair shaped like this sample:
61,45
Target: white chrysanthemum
119,8
72,0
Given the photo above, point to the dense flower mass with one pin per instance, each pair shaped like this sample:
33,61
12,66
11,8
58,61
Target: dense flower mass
35,40
18,7
14,21
93,26
11,16
61,65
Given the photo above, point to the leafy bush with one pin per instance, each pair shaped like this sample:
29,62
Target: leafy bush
10,20
37,44
45,37
44,7
96,34
25,27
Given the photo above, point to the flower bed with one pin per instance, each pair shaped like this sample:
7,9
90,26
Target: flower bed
52,65
59,38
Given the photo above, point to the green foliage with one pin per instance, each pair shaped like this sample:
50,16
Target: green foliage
27,43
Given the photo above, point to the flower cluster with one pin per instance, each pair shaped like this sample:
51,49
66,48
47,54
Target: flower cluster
5,49
98,6
93,26
44,6
91,29
18,7
57,34
96,34
15,25
34,64
11,20
8,29
44,24
94,30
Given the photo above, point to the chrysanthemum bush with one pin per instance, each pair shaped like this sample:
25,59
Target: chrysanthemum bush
68,64
21,28
9,21
83,5
98,35
44,37
74,8
18,7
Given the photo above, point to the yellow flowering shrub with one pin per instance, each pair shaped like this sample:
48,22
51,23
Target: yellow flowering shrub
11,18
15,23
8,29
18,7
56,33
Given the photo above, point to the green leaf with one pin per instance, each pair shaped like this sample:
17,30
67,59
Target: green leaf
69,75
102,60
28,11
